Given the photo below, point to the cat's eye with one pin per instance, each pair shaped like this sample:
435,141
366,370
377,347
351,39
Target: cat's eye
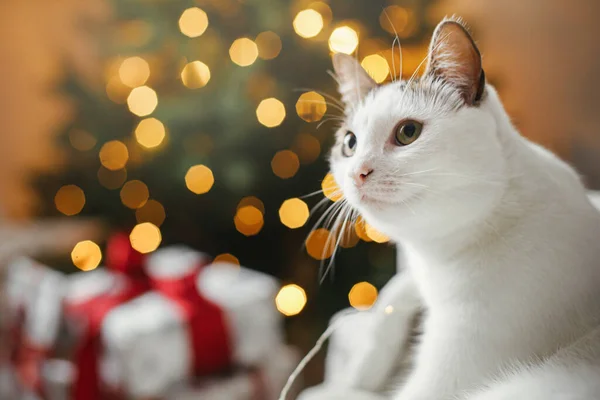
349,145
407,132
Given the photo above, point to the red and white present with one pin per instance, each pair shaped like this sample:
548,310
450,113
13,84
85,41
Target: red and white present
263,382
198,320
35,295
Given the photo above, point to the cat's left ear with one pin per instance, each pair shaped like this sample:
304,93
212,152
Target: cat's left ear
454,57
354,82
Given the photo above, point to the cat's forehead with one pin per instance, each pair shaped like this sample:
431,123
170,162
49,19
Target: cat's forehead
423,99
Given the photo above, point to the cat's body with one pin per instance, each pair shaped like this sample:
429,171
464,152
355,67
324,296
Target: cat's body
502,244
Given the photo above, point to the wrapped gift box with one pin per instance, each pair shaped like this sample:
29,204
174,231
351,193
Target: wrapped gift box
263,382
168,336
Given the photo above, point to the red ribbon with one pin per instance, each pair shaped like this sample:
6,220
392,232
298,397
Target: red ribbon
207,326
127,265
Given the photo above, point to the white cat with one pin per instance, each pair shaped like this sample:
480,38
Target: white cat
502,244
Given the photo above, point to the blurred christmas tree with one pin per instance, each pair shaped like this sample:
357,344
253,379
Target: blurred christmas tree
201,137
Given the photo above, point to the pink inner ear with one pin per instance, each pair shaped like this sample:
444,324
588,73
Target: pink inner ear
455,58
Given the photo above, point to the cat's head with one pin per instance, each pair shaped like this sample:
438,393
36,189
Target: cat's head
421,154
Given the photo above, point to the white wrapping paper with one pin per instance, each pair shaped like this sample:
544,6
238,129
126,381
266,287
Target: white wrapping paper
147,345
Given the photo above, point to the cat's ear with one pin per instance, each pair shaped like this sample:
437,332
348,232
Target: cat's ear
354,82
454,57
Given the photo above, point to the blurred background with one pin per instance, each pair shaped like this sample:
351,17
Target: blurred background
207,123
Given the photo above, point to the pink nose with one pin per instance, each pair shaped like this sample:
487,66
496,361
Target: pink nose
360,177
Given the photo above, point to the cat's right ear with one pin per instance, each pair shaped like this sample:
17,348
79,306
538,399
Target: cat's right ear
354,82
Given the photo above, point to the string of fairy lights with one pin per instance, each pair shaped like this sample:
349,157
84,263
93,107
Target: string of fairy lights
127,83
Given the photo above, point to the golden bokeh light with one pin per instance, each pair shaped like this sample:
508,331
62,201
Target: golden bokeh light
112,179
294,213
82,140
248,220
227,258
152,211
308,23
243,52
375,235
307,147
195,75
134,194
290,300
251,201
114,155
360,227
69,200
331,190
199,179
362,296
117,91
193,22
376,66
270,112
320,244
269,45
145,237
311,106
396,19
323,9
285,164
134,71
343,40
150,133
142,101
86,255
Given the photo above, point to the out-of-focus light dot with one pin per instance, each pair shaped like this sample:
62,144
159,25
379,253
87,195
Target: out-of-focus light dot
193,22
134,71
307,147
150,133
293,213
285,164
86,255
69,200
376,66
270,112
269,45
331,190
402,20
349,238
323,9
82,140
360,229
152,211
375,235
114,155
308,23
248,220
251,201
145,237
112,179
117,91
199,179
134,194
362,296
320,244
142,101
243,52
290,300
343,40
389,309
195,75
227,258
311,106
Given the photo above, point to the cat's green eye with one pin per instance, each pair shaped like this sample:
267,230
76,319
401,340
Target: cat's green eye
349,145
407,132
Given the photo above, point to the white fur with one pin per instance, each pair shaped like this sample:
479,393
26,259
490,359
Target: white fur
501,241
